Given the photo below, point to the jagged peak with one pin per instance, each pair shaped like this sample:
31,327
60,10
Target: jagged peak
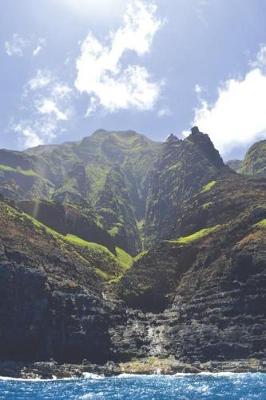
172,138
203,141
195,130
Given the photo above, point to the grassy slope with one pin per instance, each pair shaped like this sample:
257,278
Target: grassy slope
104,263
195,236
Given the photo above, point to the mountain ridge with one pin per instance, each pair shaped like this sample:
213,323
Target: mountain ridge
142,250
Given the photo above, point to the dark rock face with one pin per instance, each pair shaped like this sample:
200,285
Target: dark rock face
51,299
39,323
213,305
182,170
205,144
117,212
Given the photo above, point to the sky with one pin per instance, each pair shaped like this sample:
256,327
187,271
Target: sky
69,67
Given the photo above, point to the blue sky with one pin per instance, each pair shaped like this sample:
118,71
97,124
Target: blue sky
69,67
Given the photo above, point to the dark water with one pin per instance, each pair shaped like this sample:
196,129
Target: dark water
189,387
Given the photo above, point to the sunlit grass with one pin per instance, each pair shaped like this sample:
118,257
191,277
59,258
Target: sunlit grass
26,172
208,186
195,236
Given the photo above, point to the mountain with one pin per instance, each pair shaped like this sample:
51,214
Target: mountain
235,165
81,174
254,163
184,168
74,217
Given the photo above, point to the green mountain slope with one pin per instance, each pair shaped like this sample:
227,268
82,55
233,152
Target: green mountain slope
82,173
254,163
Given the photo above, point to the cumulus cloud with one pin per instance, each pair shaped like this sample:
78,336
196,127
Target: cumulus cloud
238,116
17,45
103,75
49,106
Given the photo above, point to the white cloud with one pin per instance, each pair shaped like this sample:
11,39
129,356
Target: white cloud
39,47
198,89
101,74
49,107
238,116
61,91
260,60
36,51
16,45
30,138
40,80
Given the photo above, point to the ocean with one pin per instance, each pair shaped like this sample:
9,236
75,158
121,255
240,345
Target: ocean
180,387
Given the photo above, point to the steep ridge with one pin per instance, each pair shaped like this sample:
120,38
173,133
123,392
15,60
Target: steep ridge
116,210
183,169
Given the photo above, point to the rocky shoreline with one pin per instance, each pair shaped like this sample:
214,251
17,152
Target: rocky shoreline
146,366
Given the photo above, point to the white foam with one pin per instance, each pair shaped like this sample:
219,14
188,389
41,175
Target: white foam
89,375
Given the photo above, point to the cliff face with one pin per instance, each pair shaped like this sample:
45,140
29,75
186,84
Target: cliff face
51,303
70,290
184,168
116,209
208,290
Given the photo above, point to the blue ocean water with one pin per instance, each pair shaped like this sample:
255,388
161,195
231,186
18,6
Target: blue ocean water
188,387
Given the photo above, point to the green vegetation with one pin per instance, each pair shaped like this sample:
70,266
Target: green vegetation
103,275
114,231
207,205
83,243
26,172
123,258
261,224
255,160
208,186
140,255
195,236
108,266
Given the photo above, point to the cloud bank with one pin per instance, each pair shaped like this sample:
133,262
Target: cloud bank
238,116
101,70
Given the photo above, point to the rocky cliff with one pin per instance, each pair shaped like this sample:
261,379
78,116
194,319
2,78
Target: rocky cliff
70,290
